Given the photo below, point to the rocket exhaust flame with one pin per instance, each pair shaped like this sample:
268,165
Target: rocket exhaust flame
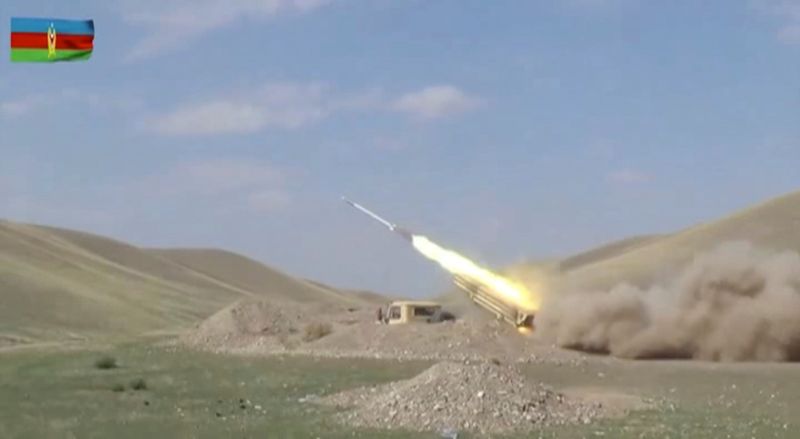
456,264
501,288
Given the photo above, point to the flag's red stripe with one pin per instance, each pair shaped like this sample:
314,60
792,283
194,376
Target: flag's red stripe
24,40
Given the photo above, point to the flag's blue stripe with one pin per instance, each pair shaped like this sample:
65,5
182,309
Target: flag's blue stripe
65,27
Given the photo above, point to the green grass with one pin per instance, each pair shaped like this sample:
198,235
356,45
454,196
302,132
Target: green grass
61,394
138,384
191,394
690,399
106,362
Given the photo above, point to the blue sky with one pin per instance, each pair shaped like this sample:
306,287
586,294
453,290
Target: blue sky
507,130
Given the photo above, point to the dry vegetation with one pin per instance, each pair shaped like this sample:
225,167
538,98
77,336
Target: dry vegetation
316,330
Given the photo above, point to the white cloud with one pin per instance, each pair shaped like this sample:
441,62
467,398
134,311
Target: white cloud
237,183
788,12
212,118
22,106
628,176
220,176
35,102
102,101
295,105
435,102
267,201
282,105
171,24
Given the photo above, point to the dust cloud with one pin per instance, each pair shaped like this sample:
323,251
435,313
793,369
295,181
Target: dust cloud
734,303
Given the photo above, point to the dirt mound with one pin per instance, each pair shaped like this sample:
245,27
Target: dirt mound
270,327
482,398
262,326
459,340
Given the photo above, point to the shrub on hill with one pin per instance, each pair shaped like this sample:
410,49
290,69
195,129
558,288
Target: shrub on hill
139,384
106,362
315,331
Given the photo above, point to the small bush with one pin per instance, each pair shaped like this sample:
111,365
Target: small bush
118,388
315,331
139,384
106,363
287,342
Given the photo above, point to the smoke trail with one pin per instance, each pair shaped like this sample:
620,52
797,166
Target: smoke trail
733,303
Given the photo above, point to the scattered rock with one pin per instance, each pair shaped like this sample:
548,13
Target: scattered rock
480,397
275,327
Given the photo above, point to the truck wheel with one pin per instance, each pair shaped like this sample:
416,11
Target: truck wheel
441,316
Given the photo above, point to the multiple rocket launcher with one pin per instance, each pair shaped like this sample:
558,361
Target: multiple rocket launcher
481,292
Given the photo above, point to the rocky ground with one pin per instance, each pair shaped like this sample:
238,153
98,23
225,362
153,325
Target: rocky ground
475,386
280,328
483,397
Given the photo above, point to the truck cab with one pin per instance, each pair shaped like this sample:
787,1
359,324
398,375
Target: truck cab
408,311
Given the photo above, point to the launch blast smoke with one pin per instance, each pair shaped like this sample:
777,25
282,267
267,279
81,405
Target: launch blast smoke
734,303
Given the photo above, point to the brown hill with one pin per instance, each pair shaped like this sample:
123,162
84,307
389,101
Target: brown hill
251,276
58,284
774,225
606,251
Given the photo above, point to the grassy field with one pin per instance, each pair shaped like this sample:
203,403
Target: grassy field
690,399
189,394
62,394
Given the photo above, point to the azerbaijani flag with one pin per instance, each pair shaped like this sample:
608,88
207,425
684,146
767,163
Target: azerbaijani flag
51,39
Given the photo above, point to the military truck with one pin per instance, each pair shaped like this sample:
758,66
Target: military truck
482,296
415,311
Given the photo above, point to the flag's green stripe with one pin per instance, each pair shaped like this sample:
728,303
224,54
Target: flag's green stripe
40,55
